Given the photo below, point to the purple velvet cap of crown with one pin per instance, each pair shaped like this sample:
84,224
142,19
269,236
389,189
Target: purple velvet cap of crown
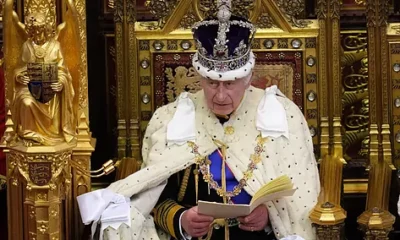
207,34
223,48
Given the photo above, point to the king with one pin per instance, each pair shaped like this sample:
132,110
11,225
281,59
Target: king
221,144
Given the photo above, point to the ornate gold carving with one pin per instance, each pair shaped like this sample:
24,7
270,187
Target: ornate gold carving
81,183
329,232
311,78
40,173
145,81
111,3
322,64
43,227
322,9
1,8
358,118
206,8
384,66
184,79
383,13
355,97
3,182
371,13
46,173
335,9
118,11
356,42
172,45
371,76
328,215
335,50
45,170
83,80
53,166
38,116
283,43
292,11
131,11
312,113
146,115
361,2
9,137
161,9
311,42
144,45
243,8
120,70
376,218
127,89
256,44
43,6
376,224
134,105
265,21
188,20
396,28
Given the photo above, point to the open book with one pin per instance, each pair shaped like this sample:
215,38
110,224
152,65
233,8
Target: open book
275,189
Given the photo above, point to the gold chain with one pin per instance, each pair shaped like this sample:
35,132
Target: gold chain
204,162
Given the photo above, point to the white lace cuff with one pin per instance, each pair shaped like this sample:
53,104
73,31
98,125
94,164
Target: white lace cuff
184,235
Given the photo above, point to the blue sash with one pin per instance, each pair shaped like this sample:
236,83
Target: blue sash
231,182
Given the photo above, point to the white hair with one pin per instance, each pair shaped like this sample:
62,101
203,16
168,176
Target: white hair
248,78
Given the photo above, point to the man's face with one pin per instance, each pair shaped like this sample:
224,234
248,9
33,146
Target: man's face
39,35
223,97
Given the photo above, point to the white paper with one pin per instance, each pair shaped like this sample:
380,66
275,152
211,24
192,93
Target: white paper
221,210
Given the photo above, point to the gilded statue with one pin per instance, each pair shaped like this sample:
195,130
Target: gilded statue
44,81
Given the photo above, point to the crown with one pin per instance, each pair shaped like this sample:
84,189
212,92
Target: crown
223,44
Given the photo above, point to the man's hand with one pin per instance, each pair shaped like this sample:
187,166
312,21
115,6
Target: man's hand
23,78
57,86
195,224
255,221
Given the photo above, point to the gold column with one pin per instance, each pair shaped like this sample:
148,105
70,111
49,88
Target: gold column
127,80
376,221
328,216
81,182
14,191
38,180
393,35
41,202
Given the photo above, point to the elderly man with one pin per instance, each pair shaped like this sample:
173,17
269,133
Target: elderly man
221,144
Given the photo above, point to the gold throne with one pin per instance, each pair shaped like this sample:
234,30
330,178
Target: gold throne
47,139
345,82
322,68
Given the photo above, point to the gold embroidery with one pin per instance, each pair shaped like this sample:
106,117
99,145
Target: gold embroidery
164,215
229,130
184,183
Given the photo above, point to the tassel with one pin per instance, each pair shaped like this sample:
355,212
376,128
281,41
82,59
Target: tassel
196,177
220,222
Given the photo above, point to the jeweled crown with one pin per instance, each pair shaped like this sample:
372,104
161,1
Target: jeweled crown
223,44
